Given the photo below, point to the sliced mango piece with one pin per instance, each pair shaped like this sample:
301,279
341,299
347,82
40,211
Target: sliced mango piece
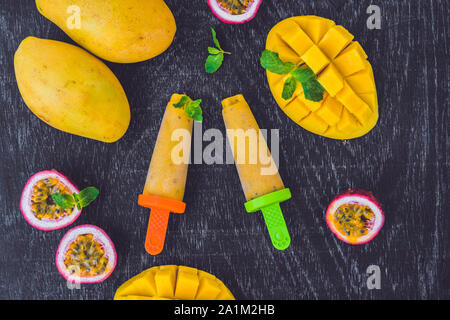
285,52
335,40
331,80
187,285
315,27
354,104
173,282
362,81
296,110
331,111
140,285
349,108
314,124
371,99
315,59
312,105
348,122
351,60
294,37
165,281
208,289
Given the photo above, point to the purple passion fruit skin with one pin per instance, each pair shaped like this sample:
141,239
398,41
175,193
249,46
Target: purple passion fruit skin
86,255
234,11
355,217
37,205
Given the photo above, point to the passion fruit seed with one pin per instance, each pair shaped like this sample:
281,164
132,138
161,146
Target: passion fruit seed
42,204
354,220
86,257
235,7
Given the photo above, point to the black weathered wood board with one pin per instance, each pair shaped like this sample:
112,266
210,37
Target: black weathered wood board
404,161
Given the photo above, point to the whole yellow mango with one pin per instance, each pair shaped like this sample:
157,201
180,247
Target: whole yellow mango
123,31
71,90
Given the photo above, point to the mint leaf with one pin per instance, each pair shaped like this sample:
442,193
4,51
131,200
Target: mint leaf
216,42
191,108
313,90
212,50
86,196
194,111
303,74
65,201
215,59
180,104
289,88
271,61
77,201
213,62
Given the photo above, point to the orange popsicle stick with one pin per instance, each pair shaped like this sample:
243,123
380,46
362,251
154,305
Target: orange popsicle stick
159,217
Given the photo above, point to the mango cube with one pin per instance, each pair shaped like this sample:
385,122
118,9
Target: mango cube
208,289
335,40
351,60
354,104
371,99
314,124
285,52
331,111
348,122
295,37
187,285
331,80
312,105
315,59
165,283
315,27
296,110
362,81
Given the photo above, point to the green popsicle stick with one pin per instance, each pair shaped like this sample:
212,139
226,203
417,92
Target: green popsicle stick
269,204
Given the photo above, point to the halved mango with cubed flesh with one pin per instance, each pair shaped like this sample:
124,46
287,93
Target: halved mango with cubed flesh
173,282
349,108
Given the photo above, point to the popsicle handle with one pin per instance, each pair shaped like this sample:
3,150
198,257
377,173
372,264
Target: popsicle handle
156,230
276,226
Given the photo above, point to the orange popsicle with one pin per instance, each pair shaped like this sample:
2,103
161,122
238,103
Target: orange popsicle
166,178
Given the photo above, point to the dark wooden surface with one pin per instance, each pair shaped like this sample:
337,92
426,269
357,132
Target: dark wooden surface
404,161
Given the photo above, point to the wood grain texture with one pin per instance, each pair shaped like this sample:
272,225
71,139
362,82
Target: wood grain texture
404,161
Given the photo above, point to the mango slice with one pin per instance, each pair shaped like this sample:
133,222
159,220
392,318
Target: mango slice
173,283
349,108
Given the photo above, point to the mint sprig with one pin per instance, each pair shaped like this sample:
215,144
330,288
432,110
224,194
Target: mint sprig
272,62
80,200
215,58
191,108
313,90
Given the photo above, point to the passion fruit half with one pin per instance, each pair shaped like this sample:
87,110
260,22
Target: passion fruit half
355,217
234,11
86,255
37,205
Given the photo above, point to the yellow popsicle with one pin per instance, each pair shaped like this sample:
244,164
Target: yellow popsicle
167,176
238,116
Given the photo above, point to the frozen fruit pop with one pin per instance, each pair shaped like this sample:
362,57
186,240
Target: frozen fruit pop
262,191
166,178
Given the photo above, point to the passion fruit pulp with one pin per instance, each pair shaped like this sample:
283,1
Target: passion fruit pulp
86,255
37,205
355,217
234,11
